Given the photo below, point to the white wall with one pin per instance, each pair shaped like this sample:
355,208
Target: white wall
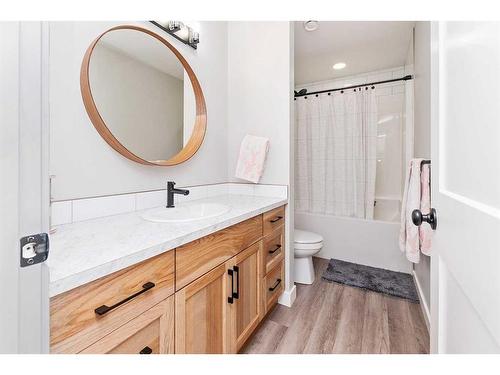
422,90
260,88
409,110
259,93
141,105
82,163
422,121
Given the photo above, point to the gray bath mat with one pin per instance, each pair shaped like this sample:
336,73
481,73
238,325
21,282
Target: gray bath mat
393,283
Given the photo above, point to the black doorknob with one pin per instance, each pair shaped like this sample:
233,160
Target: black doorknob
418,218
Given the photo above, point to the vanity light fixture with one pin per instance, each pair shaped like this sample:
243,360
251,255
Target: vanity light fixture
180,31
339,66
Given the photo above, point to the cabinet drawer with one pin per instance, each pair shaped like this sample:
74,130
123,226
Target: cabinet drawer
198,257
152,332
274,249
74,322
273,219
273,286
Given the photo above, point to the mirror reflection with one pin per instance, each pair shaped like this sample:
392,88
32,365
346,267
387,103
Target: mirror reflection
142,93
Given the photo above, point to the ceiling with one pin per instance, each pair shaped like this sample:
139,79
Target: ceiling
363,45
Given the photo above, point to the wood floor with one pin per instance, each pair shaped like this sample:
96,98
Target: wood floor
334,318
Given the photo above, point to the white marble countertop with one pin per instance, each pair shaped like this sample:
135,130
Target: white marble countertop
85,251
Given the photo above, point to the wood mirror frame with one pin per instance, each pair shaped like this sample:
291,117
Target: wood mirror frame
199,129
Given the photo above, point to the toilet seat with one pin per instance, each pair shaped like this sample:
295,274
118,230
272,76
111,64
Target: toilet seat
305,237
304,240
308,246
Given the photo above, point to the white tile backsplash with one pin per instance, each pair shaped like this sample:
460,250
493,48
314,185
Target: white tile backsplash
270,191
241,189
150,199
90,208
195,192
61,213
65,212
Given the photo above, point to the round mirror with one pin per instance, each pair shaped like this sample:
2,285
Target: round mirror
143,97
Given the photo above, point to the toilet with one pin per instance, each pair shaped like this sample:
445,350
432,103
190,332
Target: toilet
306,244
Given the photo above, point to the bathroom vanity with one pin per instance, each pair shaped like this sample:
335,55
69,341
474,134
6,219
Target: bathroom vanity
205,295
194,278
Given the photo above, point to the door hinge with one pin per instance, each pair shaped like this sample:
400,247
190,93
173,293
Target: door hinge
34,249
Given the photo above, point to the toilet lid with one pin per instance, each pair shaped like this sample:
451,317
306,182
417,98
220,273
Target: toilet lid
302,236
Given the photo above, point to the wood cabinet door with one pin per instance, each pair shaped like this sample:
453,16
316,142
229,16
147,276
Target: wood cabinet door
152,332
246,311
201,314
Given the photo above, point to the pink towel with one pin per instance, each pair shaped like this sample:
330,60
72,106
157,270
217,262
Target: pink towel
413,239
425,229
409,241
252,157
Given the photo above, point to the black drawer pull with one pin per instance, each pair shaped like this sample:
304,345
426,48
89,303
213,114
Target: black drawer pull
146,350
230,298
275,250
275,285
277,218
101,310
237,294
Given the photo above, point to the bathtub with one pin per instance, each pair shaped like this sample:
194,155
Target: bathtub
387,209
369,242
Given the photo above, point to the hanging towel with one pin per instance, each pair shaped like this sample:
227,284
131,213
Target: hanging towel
253,152
425,230
409,241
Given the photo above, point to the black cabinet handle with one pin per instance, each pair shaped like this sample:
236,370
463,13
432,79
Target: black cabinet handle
271,289
230,298
277,218
275,250
101,310
146,350
237,294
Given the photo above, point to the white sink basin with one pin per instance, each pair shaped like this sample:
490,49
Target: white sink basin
185,212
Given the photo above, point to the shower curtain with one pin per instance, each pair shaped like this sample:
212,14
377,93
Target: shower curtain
335,166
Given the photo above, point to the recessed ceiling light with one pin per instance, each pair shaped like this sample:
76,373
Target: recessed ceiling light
339,65
311,25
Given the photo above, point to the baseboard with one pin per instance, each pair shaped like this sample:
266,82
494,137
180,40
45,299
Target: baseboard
288,297
423,303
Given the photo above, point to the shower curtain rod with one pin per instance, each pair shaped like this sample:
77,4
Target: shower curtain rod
405,78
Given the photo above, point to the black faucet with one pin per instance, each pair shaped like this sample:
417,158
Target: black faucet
171,191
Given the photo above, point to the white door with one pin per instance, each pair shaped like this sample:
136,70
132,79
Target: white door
465,270
24,197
